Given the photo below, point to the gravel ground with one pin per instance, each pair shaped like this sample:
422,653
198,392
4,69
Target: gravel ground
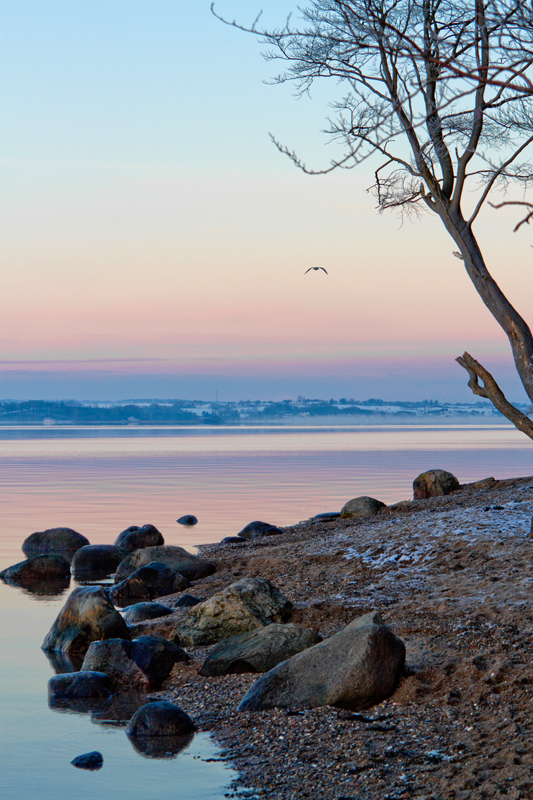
453,578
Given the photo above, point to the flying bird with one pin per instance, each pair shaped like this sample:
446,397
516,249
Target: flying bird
310,268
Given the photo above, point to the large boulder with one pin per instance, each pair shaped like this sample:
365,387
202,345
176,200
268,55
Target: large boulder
361,507
113,657
153,580
259,650
79,686
136,537
178,559
160,718
156,657
243,606
140,612
434,483
95,561
63,541
87,616
354,669
257,528
37,569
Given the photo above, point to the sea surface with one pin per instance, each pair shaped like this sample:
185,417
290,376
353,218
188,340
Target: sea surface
100,480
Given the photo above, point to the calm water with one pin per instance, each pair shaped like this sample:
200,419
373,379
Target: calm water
100,480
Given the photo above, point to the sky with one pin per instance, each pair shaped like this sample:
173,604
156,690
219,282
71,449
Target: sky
155,242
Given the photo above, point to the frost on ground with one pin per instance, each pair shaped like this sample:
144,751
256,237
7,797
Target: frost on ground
453,578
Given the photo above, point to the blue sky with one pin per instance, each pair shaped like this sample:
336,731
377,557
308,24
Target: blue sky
155,241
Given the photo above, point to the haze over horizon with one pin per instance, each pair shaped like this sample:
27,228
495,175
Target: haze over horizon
155,241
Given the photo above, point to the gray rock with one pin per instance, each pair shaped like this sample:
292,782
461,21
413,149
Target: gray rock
143,611
136,537
243,606
188,601
113,657
361,507
80,686
87,616
354,669
146,583
95,561
234,540
257,528
434,483
160,718
156,657
188,519
92,761
162,626
63,541
178,559
259,650
326,516
37,569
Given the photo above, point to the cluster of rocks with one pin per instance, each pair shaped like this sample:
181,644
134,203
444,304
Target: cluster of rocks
101,653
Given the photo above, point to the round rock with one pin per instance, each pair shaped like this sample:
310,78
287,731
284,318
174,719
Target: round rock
361,507
188,519
160,718
143,611
63,541
135,538
95,561
37,569
434,483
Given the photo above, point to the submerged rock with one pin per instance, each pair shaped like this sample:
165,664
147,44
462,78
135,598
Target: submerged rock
87,616
92,761
95,561
63,541
361,507
354,669
136,537
81,685
113,657
188,519
37,569
434,483
243,606
178,559
259,650
160,718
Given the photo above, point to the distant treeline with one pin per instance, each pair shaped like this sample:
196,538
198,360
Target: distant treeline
39,410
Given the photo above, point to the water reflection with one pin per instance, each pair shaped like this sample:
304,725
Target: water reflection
160,746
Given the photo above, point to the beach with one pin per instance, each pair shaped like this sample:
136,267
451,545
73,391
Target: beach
452,578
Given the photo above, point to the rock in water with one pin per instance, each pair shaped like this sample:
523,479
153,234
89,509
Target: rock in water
37,569
134,538
361,507
257,528
188,519
152,580
156,657
87,616
79,686
259,650
354,669
113,657
178,559
160,718
91,761
63,541
243,606
95,561
434,483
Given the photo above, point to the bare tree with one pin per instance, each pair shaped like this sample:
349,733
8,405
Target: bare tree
442,91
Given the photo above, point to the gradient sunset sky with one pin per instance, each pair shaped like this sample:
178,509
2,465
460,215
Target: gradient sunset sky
155,242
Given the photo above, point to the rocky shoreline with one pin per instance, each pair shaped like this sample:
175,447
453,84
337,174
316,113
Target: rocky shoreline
451,577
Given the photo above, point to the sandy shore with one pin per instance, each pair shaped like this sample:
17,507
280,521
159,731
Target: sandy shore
453,578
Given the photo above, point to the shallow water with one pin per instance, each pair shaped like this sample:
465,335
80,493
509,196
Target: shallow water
101,480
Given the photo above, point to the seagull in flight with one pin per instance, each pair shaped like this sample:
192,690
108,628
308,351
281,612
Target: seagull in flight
315,268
